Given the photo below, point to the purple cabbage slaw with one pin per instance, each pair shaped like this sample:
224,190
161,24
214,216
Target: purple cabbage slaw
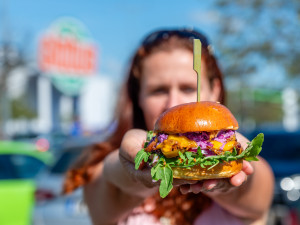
201,138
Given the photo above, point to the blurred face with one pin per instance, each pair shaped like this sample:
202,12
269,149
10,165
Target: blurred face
168,80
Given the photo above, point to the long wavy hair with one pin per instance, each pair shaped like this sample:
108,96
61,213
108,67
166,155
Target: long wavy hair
180,209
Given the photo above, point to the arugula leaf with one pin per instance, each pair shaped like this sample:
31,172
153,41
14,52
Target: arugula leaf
154,171
182,156
253,149
140,156
234,152
171,161
150,135
165,174
199,152
251,158
190,157
216,162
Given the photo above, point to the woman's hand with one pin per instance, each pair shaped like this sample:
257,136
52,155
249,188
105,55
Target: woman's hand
133,142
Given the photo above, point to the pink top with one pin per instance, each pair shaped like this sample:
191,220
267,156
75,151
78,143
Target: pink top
214,215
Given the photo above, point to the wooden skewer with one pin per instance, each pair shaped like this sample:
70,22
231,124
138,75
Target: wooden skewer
197,65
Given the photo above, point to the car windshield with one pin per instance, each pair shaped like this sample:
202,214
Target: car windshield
19,166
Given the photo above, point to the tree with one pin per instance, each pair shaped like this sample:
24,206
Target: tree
10,58
259,48
252,34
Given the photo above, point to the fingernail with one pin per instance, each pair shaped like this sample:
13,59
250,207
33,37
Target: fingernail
210,186
180,189
183,190
239,182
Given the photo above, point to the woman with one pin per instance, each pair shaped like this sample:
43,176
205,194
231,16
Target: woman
161,76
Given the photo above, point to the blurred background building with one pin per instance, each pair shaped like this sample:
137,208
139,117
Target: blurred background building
60,92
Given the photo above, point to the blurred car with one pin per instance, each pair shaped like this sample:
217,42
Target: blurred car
52,207
19,164
282,151
52,141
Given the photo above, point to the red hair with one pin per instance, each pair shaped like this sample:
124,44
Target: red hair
183,209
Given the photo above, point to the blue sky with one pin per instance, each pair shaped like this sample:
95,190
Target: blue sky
116,26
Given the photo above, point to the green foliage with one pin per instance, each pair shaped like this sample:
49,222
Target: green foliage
19,109
150,135
249,32
257,42
142,155
163,173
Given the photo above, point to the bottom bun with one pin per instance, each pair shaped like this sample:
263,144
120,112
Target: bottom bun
222,170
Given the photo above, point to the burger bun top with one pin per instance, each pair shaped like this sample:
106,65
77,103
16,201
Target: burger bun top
196,117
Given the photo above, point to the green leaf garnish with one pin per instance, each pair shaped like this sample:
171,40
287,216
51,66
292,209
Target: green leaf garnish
234,152
216,162
165,174
253,149
199,152
150,135
140,156
154,171
189,157
181,155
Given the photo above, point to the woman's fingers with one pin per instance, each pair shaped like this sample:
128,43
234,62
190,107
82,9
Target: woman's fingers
217,185
179,182
247,167
196,188
143,176
187,188
132,142
184,189
200,186
210,184
238,179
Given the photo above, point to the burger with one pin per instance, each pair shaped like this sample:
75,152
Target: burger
195,141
